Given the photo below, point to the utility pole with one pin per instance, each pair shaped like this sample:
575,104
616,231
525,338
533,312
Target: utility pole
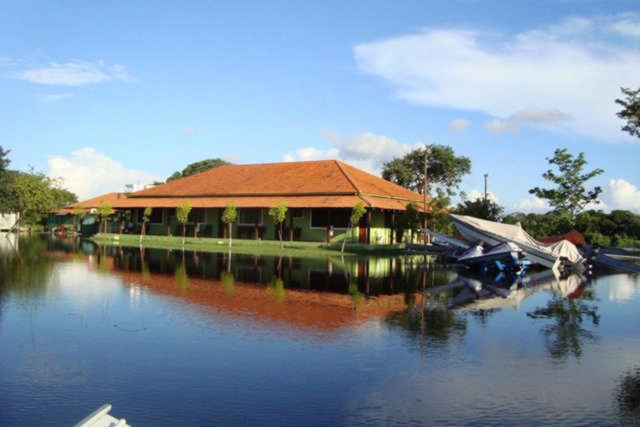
486,175
424,191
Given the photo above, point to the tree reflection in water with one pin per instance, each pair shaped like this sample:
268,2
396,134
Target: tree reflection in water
431,322
566,336
628,398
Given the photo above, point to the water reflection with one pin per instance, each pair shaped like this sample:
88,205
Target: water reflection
24,270
304,293
628,398
570,310
334,338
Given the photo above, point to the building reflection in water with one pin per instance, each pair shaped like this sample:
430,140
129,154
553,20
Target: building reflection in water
304,293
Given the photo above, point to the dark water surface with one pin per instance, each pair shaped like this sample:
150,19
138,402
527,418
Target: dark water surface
207,339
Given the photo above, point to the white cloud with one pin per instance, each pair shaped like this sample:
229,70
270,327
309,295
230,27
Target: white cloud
363,150
563,77
620,194
88,173
617,195
78,73
310,153
459,125
534,205
477,194
498,126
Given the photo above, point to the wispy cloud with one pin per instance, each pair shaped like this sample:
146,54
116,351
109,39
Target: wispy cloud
88,173
563,77
364,150
77,73
459,125
188,132
53,97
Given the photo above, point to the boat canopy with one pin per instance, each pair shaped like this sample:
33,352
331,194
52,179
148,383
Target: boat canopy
497,232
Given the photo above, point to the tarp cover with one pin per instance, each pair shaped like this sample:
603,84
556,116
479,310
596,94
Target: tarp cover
514,233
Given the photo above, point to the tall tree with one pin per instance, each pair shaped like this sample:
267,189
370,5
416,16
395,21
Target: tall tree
62,197
279,213
182,215
229,216
4,161
630,111
5,179
570,194
444,170
197,167
30,196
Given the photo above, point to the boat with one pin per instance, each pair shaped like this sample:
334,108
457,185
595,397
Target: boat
550,255
101,418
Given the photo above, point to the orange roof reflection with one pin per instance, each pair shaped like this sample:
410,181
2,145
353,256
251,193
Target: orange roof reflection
301,309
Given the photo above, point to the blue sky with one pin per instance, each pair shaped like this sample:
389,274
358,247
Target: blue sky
104,94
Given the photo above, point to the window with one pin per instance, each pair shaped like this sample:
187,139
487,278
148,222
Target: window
156,216
196,215
323,218
296,212
250,216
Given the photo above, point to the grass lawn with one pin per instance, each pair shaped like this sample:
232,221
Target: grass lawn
244,246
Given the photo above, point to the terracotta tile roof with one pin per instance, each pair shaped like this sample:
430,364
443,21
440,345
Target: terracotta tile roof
112,199
323,183
313,184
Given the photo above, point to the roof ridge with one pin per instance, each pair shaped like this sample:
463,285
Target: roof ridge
346,175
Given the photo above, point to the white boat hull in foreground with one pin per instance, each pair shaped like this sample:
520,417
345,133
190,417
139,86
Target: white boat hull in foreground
101,418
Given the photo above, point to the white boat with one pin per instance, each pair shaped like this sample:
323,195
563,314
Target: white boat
550,255
101,418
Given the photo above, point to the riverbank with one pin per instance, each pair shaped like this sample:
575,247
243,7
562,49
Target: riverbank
244,246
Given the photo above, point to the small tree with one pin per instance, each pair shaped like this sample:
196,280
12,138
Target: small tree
146,216
182,215
356,214
570,196
229,216
104,211
279,213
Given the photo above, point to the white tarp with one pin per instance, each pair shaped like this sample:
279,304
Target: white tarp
499,232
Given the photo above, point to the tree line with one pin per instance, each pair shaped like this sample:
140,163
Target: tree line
434,170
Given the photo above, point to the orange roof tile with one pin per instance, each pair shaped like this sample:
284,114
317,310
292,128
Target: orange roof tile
112,199
312,184
323,183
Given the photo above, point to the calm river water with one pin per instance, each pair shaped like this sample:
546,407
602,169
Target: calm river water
172,338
